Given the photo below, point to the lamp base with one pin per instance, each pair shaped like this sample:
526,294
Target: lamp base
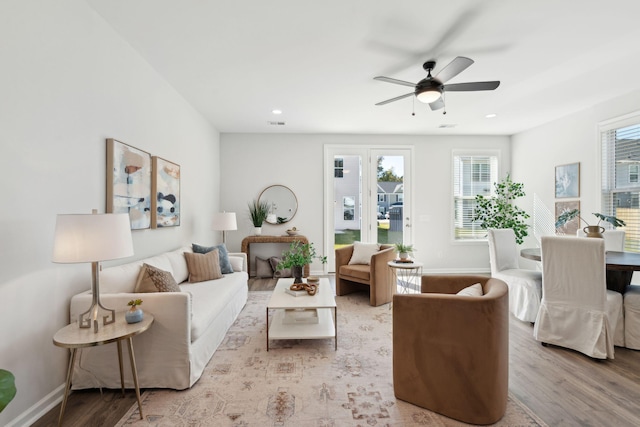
90,317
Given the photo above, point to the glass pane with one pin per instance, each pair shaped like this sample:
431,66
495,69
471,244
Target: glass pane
390,207
347,200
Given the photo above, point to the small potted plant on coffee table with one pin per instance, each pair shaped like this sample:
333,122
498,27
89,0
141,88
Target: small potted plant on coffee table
299,255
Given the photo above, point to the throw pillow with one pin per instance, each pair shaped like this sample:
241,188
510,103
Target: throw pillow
283,272
225,263
472,291
152,279
203,266
362,252
237,262
263,268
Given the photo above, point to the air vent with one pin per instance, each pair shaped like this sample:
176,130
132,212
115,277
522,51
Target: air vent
276,123
447,125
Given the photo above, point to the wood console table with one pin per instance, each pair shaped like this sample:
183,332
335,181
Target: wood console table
246,246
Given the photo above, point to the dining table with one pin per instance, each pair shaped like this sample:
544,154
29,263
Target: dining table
620,266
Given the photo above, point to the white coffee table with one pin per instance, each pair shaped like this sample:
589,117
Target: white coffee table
302,317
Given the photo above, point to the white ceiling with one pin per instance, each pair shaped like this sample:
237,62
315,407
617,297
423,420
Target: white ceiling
236,61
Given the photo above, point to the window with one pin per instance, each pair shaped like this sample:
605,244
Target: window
348,208
620,166
338,167
473,174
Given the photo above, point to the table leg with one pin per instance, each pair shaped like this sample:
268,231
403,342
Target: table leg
121,366
335,324
267,329
618,280
134,371
67,387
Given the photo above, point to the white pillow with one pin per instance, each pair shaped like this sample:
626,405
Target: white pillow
362,252
472,291
237,262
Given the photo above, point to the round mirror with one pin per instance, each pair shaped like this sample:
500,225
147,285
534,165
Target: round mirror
283,204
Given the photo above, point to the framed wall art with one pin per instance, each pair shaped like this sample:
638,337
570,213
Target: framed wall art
568,181
570,227
129,183
165,188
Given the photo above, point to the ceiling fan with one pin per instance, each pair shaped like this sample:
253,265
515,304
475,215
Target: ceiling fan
430,89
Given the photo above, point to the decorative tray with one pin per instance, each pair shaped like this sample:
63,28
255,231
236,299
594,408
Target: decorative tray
403,261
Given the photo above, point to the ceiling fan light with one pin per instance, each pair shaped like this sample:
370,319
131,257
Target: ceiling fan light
429,95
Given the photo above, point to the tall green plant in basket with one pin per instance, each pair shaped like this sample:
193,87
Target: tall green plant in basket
500,212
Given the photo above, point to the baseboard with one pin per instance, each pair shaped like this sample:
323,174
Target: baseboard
39,409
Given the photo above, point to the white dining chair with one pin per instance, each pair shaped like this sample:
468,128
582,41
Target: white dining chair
525,286
632,317
613,239
577,309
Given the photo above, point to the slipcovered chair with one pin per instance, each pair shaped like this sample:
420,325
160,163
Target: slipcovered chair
364,266
632,317
577,310
525,286
451,351
613,239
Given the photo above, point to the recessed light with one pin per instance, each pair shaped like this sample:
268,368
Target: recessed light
276,111
491,116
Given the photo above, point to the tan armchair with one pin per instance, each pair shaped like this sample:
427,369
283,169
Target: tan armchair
374,277
451,352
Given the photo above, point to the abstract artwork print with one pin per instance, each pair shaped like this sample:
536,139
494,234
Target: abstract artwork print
129,183
165,210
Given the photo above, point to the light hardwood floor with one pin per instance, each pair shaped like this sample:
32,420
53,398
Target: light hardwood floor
563,387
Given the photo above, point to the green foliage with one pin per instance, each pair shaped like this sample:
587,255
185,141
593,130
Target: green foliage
299,254
134,302
7,388
401,247
389,176
568,215
500,212
258,212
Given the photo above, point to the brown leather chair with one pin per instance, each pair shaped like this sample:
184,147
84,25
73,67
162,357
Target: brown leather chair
451,352
375,277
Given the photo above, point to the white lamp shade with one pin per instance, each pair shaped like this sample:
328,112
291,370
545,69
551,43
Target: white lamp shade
225,221
92,237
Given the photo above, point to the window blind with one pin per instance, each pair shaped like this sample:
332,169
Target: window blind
473,174
620,187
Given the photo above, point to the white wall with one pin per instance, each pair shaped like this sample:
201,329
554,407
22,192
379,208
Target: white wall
255,161
68,82
536,153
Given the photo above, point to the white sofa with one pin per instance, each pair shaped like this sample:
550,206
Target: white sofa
188,328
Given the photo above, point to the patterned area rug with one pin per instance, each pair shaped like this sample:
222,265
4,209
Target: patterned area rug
300,382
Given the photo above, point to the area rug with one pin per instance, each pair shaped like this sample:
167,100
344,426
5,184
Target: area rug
300,382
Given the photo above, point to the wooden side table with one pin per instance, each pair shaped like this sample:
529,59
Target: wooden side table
246,246
74,337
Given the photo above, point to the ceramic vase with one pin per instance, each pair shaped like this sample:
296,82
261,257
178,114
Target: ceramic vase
296,271
257,231
594,231
134,316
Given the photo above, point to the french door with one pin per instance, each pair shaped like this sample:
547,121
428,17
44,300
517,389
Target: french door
367,196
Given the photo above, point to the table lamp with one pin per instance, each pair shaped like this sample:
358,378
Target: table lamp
93,238
223,221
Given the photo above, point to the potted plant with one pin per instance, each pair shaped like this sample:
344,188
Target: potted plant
258,212
404,250
500,212
7,388
590,230
135,313
297,256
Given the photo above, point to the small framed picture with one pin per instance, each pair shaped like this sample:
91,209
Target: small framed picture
165,191
568,181
129,183
571,227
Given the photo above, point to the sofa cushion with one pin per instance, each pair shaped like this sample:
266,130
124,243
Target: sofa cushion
362,252
472,291
223,254
237,262
203,267
179,264
152,279
123,278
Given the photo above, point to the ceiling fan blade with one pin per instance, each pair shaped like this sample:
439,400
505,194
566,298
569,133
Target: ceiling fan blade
395,99
467,87
436,105
395,81
455,67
